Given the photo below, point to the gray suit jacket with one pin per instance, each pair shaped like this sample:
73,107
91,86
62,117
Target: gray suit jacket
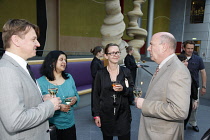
23,114
166,103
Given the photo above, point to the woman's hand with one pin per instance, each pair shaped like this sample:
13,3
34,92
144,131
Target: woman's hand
65,108
118,87
98,121
73,100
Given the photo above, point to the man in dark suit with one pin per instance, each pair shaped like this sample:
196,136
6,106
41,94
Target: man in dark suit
23,114
166,103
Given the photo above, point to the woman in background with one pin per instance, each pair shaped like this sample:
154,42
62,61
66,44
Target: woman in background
53,71
130,63
112,87
96,65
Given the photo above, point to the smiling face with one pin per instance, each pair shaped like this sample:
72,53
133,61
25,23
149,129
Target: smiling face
189,48
27,44
113,55
61,63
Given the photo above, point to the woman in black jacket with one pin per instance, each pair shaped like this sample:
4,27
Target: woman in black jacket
130,63
96,65
110,100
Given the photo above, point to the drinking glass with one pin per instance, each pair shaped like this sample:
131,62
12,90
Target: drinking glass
115,83
53,90
137,92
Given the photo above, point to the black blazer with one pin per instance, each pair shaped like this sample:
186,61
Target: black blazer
130,63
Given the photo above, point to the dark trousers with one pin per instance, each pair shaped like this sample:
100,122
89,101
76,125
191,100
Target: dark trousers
66,134
188,117
124,137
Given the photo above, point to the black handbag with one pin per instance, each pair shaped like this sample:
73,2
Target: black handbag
206,135
52,130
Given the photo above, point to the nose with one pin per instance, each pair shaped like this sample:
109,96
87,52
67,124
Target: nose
149,48
37,44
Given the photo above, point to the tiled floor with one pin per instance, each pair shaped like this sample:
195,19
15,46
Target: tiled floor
87,130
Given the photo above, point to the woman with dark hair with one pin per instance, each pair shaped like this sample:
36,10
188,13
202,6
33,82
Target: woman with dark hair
130,63
96,65
112,87
53,71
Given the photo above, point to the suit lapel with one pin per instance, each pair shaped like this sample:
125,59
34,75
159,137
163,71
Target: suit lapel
11,60
159,74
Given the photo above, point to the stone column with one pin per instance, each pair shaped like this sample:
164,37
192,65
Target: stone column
114,26
134,30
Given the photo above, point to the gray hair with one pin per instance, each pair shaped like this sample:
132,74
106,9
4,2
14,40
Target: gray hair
168,39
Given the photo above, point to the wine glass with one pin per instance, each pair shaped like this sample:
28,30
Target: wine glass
115,83
67,100
137,92
53,90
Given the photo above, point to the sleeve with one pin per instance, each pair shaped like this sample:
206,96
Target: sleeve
201,64
74,90
176,104
96,94
129,64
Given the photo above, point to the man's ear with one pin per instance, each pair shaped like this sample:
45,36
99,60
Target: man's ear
15,39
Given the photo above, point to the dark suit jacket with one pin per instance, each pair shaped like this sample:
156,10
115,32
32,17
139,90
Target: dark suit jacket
23,114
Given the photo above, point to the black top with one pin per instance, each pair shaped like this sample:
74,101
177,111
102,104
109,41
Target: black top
117,124
130,63
96,65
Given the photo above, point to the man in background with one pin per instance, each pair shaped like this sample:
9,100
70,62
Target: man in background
195,65
166,103
23,114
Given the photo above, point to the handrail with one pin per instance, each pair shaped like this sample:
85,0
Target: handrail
34,62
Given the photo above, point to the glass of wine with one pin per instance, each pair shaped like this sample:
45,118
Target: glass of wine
115,83
67,100
137,92
53,90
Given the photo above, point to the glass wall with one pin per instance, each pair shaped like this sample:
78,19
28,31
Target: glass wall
197,11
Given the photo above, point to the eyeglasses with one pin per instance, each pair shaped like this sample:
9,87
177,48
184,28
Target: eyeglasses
114,53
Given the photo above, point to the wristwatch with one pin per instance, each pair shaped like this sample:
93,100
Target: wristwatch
204,87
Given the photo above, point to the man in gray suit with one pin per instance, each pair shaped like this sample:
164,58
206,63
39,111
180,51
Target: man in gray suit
23,112
166,103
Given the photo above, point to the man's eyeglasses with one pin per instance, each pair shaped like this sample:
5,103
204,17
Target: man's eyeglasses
114,53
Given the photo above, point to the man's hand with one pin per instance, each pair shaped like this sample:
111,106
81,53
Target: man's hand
139,102
203,91
56,101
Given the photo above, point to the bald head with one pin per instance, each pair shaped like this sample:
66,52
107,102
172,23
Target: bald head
168,39
161,46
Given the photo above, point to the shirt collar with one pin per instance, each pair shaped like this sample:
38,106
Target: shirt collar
166,59
18,59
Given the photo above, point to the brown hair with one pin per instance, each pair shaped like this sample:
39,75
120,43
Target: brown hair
96,50
129,48
188,42
109,45
18,27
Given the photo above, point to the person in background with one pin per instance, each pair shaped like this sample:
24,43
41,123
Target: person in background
166,103
195,65
96,65
23,111
194,90
130,63
53,71
112,87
